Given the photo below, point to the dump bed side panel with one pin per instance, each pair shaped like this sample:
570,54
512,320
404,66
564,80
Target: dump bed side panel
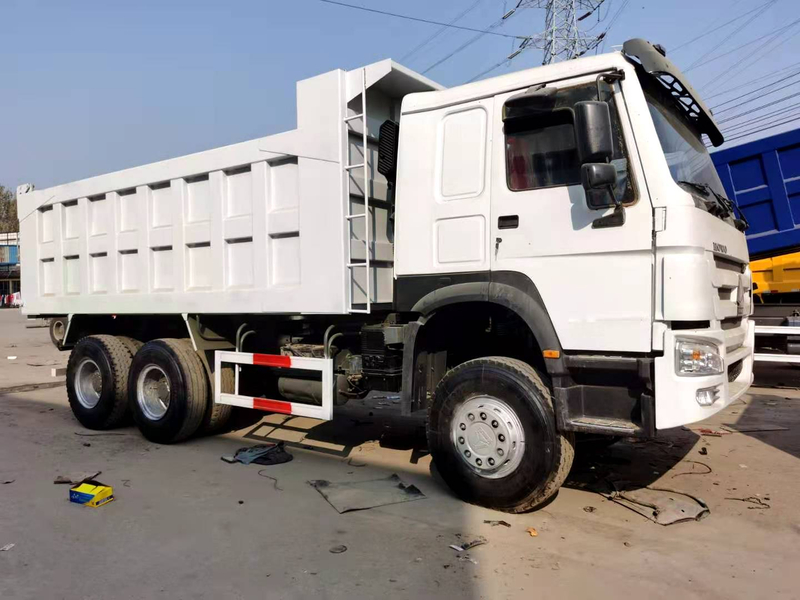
252,227
763,177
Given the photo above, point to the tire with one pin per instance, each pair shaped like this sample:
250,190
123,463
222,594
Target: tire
131,344
97,381
217,415
167,390
58,327
529,473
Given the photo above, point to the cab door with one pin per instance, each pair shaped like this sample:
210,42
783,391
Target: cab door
596,283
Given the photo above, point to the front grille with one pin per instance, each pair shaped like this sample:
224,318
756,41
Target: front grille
732,323
735,370
728,265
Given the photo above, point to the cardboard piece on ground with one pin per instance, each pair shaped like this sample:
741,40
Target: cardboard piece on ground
345,497
91,493
660,505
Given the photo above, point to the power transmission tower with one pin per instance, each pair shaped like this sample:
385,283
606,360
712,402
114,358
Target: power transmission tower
562,38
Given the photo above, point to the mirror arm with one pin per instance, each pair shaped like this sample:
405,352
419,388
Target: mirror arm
616,218
608,78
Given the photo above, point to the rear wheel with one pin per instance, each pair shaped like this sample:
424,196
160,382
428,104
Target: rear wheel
167,390
217,415
97,381
492,434
58,328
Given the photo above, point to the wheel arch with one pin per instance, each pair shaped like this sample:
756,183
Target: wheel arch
504,293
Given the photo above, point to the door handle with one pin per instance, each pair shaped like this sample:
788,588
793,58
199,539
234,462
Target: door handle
508,222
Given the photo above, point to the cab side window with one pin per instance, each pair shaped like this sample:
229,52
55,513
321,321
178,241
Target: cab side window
541,151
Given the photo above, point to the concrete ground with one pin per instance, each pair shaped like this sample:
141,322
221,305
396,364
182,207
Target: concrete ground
187,525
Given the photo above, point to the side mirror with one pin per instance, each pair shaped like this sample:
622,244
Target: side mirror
593,132
598,180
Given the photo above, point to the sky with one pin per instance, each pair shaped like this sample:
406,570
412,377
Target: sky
92,87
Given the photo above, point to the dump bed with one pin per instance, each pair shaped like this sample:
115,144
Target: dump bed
763,177
255,227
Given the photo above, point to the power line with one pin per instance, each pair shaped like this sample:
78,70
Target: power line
757,108
700,58
749,133
441,30
783,87
767,115
419,20
466,44
755,57
729,52
756,80
725,24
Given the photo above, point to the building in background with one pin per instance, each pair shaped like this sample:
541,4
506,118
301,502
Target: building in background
9,264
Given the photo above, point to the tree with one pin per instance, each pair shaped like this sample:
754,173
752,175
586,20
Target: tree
9,222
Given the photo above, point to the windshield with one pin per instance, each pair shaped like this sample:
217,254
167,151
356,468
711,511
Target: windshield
686,154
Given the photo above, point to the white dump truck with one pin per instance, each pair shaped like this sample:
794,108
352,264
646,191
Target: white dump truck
526,258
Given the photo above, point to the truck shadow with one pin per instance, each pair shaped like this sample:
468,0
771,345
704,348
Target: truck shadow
636,463
597,466
770,416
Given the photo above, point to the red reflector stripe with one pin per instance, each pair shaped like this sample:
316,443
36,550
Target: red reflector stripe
272,360
276,406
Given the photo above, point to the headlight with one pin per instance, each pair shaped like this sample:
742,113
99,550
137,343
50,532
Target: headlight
693,357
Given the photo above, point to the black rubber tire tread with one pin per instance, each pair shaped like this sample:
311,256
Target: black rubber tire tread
115,359
564,445
191,387
51,326
217,415
131,344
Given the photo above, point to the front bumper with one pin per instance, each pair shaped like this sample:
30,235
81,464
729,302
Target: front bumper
675,394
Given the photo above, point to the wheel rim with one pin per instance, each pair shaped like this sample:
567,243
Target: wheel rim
152,392
58,330
88,383
488,436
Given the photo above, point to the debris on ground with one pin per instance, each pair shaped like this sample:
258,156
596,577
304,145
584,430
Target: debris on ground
693,471
91,493
660,505
274,480
710,432
479,541
7,547
496,523
7,481
736,428
742,466
260,454
466,558
626,544
361,495
11,357
589,509
87,445
703,451
77,478
532,532
758,503
338,549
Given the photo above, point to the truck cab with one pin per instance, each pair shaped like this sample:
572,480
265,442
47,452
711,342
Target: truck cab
637,290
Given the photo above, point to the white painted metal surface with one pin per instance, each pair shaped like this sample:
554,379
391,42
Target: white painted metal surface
777,331
255,227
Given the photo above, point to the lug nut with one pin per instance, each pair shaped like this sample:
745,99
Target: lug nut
462,427
478,462
467,453
495,424
483,416
471,417
491,461
500,452
501,437
461,440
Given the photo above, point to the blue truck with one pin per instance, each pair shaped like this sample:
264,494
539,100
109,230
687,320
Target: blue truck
763,178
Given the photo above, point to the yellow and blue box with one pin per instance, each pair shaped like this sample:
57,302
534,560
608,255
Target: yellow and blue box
91,493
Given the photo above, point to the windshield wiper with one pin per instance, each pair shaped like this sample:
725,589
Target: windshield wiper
729,207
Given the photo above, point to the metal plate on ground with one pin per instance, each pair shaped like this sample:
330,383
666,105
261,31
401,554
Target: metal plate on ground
361,495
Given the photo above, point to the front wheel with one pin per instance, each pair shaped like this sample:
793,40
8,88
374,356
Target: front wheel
492,434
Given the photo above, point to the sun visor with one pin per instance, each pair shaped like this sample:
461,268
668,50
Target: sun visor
663,71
